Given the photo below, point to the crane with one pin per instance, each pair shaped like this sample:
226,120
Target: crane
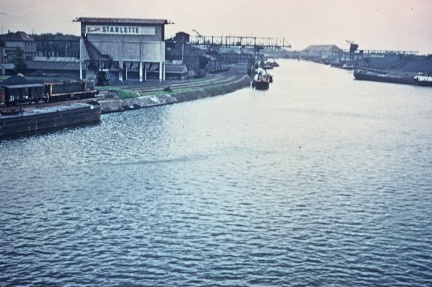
353,45
199,35
353,48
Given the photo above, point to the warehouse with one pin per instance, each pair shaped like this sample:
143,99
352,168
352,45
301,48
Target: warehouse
322,52
122,48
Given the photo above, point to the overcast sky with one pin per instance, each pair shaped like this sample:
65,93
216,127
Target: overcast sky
373,24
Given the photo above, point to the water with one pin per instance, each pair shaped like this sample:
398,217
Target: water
319,181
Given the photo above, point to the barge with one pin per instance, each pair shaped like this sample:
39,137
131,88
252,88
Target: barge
25,121
383,77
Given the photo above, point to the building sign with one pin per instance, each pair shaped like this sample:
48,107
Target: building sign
120,30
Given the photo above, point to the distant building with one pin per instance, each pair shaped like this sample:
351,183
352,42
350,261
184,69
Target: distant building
200,59
182,37
14,40
322,53
180,51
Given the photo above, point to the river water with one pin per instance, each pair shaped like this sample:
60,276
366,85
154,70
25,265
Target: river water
320,181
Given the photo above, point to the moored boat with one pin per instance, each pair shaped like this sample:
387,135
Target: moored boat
360,74
268,65
48,118
422,79
261,79
348,66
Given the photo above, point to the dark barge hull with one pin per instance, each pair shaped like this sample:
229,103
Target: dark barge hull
49,118
260,85
423,83
383,78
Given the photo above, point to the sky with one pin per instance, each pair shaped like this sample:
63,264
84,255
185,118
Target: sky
403,25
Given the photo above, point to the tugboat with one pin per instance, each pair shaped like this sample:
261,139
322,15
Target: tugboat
261,79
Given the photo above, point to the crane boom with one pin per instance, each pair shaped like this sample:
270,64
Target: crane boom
199,35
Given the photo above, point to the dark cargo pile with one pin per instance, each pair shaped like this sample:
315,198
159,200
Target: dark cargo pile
21,80
15,80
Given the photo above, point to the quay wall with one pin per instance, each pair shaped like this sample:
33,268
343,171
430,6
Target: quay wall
120,105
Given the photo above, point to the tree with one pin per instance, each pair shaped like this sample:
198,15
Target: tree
19,60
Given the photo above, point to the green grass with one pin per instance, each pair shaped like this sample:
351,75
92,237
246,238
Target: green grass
214,88
125,94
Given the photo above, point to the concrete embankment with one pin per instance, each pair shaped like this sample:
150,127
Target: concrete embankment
175,95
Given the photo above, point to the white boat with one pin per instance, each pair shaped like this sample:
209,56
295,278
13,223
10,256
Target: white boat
423,79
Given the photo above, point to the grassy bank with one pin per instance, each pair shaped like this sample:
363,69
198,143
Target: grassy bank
119,99
123,93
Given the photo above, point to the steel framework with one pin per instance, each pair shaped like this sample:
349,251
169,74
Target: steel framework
266,43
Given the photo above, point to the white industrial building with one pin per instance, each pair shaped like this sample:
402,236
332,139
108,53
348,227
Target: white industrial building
127,48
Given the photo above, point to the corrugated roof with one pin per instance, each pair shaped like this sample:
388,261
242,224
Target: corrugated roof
229,51
55,59
120,21
175,69
65,66
24,86
7,66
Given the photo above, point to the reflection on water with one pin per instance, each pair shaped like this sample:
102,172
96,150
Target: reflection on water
321,180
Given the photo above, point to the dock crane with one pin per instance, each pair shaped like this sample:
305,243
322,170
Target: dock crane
199,35
202,41
100,63
353,48
254,47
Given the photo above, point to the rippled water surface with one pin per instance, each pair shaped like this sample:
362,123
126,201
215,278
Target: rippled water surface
319,181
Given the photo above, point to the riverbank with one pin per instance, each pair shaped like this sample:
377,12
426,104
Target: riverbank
135,95
124,97
166,95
